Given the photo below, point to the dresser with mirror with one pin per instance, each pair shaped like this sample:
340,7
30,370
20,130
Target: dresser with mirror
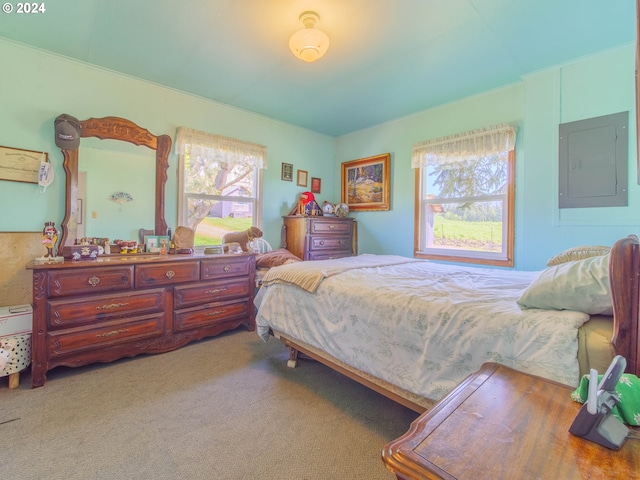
117,305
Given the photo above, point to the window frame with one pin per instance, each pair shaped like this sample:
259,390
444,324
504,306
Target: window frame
183,197
503,259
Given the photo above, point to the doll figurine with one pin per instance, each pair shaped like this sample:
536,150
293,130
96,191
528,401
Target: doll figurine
50,238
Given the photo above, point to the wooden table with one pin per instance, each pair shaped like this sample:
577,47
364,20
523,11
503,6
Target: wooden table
502,424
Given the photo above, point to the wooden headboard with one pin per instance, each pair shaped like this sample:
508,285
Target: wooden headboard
624,273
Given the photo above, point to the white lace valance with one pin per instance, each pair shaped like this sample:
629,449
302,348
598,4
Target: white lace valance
229,150
463,146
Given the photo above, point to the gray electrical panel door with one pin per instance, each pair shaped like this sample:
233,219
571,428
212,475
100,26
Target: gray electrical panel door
594,163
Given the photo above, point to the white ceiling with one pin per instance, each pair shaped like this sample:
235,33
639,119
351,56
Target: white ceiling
387,58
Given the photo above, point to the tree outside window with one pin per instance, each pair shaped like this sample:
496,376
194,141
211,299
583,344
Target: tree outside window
220,184
464,197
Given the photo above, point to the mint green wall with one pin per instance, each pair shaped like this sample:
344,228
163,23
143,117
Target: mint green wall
40,86
594,86
36,86
598,85
392,231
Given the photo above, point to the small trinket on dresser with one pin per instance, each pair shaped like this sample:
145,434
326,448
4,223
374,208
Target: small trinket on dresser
50,240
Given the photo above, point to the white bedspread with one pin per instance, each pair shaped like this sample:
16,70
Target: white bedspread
425,326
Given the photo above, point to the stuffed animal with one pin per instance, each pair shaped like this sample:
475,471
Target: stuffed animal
242,238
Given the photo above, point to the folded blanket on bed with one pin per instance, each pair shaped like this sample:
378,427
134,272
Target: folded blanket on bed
309,275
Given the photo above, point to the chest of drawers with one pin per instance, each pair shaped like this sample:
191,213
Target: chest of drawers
320,238
114,307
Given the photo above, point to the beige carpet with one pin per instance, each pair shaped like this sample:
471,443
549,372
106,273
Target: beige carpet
222,408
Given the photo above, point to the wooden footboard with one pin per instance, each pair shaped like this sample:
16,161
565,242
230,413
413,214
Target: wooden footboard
624,273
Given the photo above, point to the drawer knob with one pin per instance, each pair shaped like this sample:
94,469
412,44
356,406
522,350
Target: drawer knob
321,242
111,306
170,274
332,227
227,268
93,281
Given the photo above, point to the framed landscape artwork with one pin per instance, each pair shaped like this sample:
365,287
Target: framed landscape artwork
366,183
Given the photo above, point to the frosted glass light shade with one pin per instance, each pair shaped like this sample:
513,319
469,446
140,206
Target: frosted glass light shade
309,44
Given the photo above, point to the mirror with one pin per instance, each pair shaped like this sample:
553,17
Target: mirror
113,201
114,128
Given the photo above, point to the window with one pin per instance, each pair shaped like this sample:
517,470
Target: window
464,197
219,183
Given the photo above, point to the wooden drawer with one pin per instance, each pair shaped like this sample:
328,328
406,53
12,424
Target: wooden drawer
167,273
187,296
330,243
327,255
80,339
337,227
209,314
73,312
226,266
89,280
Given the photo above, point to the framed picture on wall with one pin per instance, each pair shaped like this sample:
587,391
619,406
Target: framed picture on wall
366,183
315,184
302,178
18,165
287,172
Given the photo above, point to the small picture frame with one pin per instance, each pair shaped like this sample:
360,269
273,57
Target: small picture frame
287,172
164,242
315,184
150,241
302,178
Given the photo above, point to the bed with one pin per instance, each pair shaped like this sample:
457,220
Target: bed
413,329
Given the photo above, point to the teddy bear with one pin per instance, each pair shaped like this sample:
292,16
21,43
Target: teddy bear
242,238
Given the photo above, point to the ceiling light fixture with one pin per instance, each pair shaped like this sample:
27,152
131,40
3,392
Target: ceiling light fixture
309,44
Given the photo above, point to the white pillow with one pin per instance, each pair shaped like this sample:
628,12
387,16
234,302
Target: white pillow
581,285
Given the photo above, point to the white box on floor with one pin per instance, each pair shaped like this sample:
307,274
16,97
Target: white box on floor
15,320
15,341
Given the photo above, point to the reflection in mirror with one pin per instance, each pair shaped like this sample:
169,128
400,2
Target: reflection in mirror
108,172
127,173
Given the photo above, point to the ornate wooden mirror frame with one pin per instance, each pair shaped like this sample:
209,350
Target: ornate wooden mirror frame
114,128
